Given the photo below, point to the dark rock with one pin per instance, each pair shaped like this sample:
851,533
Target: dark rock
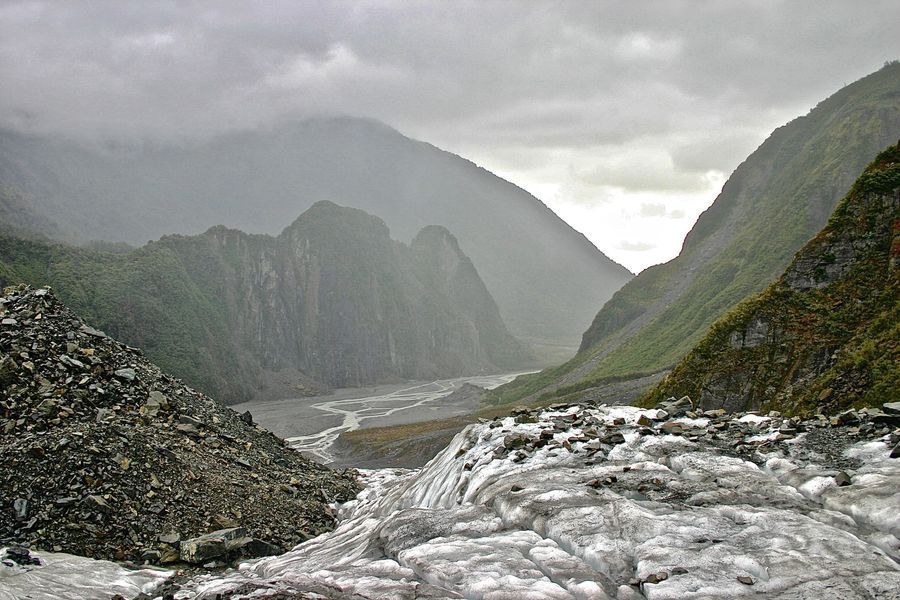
20,505
613,438
745,579
516,440
677,408
170,538
212,545
20,556
848,417
256,548
842,479
127,374
895,453
656,577
246,417
644,421
888,419
891,407
672,428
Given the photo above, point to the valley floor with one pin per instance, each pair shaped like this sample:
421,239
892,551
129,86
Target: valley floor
313,424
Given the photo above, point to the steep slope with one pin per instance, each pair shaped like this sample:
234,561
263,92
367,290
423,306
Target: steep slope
827,333
546,278
773,203
105,455
332,298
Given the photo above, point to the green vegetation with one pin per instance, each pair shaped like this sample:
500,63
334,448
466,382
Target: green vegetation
144,298
332,298
772,204
826,335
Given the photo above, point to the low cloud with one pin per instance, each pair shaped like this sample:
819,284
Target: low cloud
642,97
660,210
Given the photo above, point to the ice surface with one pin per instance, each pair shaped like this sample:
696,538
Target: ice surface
565,519
74,578
584,504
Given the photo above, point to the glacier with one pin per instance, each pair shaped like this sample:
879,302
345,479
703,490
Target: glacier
603,502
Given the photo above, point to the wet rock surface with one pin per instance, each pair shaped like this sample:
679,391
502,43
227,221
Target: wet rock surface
580,501
105,456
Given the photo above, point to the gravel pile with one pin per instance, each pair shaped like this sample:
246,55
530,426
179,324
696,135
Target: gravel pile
103,455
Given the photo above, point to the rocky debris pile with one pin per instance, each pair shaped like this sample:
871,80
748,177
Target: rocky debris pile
603,502
103,455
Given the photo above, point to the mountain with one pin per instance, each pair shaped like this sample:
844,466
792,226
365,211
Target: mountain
332,300
772,204
105,455
826,334
17,217
546,278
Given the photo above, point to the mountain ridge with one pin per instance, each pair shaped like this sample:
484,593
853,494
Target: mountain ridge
824,334
531,261
773,203
332,300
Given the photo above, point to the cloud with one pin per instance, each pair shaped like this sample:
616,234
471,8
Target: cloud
636,246
653,210
660,210
641,97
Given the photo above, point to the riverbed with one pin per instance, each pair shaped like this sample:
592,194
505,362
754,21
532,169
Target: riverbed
311,425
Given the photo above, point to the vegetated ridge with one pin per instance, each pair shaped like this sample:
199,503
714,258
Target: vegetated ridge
106,456
332,301
826,335
547,278
772,204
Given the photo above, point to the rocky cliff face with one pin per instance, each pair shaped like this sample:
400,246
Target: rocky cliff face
824,335
332,299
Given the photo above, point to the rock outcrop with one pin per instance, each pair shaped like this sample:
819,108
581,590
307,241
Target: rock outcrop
104,455
826,335
332,301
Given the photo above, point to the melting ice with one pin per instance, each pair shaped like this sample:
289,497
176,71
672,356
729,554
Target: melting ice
577,503
588,503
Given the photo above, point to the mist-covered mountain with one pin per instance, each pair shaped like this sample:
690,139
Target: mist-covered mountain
18,217
332,299
546,278
772,204
826,334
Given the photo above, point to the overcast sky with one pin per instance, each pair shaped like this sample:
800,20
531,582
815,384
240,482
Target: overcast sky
624,117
